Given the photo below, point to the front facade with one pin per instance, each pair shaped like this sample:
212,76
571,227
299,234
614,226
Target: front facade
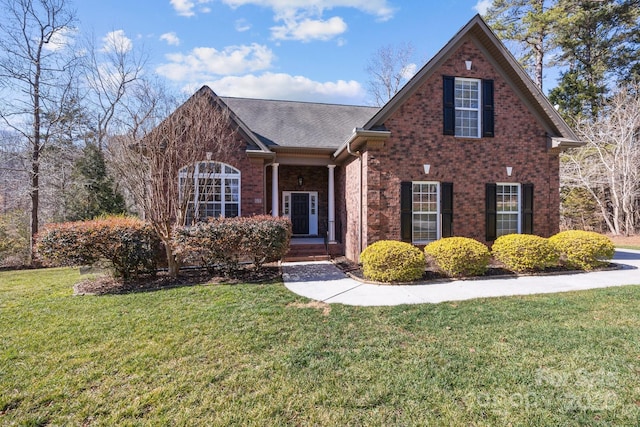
469,147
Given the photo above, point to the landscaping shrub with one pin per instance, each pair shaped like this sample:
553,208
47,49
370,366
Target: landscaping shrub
392,261
459,256
267,238
524,252
222,243
213,244
583,249
127,244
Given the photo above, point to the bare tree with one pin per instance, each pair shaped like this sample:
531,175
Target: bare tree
153,153
389,69
109,71
36,75
608,166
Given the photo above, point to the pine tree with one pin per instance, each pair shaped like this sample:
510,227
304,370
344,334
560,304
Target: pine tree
601,46
528,23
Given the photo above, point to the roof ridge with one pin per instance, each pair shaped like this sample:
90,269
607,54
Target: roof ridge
300,102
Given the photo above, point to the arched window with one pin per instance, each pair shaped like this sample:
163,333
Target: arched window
209,189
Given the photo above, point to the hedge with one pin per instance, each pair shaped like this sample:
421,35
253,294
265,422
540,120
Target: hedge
222,243
127,244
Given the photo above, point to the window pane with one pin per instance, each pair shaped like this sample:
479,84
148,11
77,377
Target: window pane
215,188
425,212
508,209
467,103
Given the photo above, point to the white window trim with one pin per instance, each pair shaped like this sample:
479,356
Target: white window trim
519,212
438,213
184,174
478,110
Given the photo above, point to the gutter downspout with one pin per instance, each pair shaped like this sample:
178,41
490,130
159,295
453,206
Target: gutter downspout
358,154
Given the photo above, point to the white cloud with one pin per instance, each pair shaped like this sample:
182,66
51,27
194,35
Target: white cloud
482,6
408,71
171,38
309,29
204,62
116,41
186,7
287,87
61,39
379,8
242,25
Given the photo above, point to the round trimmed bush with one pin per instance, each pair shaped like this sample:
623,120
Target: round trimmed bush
583,249
392,261
459,256
524,252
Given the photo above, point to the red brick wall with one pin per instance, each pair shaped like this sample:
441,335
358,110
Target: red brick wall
251,175
416,139
349,206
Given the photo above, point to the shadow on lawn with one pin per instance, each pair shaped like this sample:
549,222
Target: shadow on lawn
108,285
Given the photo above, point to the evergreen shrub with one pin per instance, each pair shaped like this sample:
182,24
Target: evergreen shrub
392,261
459,256
127,245
585,250
524,252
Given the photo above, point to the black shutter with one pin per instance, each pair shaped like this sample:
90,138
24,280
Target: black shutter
446,208
448,105
491,212
527,208
406,201
487,108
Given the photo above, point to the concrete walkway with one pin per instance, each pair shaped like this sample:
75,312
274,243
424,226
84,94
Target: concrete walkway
322,281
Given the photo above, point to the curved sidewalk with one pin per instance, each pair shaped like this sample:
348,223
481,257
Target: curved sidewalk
322,281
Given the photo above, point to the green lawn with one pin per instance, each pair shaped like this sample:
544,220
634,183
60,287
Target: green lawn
255,355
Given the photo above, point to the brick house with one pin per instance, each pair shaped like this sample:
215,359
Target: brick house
469,147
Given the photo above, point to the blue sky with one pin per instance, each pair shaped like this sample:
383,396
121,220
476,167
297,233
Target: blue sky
313,50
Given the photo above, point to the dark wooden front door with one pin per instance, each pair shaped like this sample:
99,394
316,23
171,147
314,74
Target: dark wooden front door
300,213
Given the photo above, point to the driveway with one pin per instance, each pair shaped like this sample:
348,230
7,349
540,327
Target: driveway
322,281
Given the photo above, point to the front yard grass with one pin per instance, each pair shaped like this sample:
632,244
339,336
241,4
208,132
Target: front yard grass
260,355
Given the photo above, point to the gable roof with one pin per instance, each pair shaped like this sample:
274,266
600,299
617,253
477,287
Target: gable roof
293,124
504,62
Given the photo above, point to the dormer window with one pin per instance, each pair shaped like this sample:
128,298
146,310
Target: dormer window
467,107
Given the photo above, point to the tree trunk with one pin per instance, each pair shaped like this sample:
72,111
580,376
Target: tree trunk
173,267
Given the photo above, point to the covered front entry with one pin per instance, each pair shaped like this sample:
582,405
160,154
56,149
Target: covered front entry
302,208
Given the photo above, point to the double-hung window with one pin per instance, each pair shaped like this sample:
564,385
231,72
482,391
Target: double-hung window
209,190
468,110
507,209
426,211
467,107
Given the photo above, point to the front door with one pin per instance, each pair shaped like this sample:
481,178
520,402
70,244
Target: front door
300,213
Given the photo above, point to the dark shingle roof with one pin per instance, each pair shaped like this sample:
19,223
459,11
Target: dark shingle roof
299,124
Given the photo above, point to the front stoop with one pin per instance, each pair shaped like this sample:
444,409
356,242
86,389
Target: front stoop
312,252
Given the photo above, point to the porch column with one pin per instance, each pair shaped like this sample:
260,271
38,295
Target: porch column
332,206
275,202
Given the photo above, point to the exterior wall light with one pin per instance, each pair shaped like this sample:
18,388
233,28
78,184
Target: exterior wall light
427,168
300,181
509,170
468,65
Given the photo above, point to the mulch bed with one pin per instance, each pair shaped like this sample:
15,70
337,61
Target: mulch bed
106,284
495,270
